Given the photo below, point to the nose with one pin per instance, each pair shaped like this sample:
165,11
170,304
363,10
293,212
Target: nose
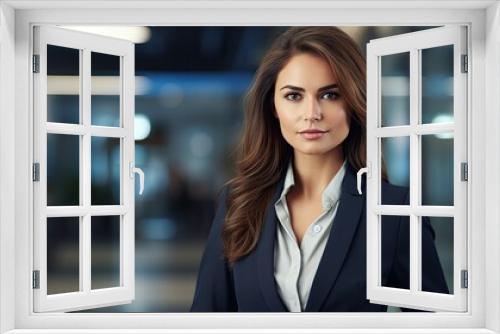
313,111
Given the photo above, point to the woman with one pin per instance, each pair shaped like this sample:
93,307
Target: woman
289,233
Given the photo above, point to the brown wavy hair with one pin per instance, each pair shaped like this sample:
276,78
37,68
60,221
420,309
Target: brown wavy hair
263,153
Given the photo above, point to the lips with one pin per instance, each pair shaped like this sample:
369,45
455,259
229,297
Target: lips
313,131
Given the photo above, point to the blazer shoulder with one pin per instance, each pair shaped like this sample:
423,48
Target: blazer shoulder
393,194
223,194
221,207
214,286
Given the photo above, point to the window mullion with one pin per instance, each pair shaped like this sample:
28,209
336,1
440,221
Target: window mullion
415,258
85,156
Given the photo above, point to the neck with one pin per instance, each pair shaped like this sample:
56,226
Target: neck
313,172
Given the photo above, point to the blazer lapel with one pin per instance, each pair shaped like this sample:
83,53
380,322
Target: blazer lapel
343,229
265,254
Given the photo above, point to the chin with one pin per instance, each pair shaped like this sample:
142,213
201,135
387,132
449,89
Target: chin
315,148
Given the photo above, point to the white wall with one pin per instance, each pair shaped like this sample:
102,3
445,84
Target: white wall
6,166
492,165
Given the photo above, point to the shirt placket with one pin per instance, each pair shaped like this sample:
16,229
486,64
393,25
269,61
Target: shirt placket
296,286
295,262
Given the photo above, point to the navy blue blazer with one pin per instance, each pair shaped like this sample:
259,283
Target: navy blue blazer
339,284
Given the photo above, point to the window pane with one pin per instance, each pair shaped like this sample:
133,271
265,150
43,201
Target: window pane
63,84
63,264
437,169
395,239
437,84
106,84
395,89
396,157
105,252
63,170
105,171
442,228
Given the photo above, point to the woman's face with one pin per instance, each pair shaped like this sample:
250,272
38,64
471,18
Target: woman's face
306,98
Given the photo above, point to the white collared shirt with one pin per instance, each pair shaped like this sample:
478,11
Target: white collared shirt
295,266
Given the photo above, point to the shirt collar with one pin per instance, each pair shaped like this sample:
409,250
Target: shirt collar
330,195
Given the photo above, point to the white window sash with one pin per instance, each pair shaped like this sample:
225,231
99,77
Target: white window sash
86,298
414,298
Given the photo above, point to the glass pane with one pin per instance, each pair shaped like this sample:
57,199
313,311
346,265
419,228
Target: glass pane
396,158
106,83
395,248
395,89
63,257
437,254
63,169
105,252
437,169
437,84
105,171
63,84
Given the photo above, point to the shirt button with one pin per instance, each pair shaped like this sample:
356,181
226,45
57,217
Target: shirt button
316,228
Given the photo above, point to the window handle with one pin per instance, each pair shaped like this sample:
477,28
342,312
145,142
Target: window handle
135,170
360,173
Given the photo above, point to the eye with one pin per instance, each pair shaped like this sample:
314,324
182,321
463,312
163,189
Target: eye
292,96
331,95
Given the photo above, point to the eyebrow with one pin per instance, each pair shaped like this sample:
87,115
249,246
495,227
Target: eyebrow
303,90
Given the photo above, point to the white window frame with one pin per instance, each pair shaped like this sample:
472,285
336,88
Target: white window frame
483,147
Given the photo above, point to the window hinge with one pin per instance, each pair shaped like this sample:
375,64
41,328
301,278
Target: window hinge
465,65
36,171
465,279
464,175
36,63
36,279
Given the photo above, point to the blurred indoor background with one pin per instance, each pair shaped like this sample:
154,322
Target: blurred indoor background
190,83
